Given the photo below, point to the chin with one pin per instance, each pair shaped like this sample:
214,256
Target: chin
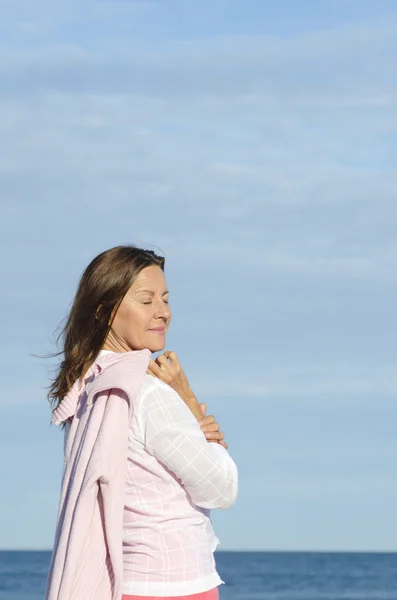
156,347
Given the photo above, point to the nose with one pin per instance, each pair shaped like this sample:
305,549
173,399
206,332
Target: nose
163,311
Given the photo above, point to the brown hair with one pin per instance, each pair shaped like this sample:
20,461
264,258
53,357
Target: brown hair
101,289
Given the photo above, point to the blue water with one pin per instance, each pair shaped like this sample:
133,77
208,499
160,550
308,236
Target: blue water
248,576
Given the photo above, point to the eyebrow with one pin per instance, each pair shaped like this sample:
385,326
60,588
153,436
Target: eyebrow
151,292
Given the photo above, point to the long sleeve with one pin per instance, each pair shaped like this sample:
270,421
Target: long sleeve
173,436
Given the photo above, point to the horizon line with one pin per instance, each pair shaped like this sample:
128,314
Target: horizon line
245,550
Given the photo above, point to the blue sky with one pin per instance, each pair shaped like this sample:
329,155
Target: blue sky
254,143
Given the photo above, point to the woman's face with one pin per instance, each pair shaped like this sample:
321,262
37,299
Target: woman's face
143,316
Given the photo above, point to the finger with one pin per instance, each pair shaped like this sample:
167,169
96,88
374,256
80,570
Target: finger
156,370
220,442
172,357
203,408
162,362
215,435
207,421
211,427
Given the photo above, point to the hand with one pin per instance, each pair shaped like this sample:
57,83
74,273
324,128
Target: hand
168,368
211,428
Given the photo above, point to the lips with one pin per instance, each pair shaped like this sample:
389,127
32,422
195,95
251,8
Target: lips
158,330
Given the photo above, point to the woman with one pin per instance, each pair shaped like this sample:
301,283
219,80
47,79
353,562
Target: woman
143,467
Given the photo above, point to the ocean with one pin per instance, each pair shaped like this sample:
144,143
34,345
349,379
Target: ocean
248,575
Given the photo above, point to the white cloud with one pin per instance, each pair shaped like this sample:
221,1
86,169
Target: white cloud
322,385
254,154
312,384
264,167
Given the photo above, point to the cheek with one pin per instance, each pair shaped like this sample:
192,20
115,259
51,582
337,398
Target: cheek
128,321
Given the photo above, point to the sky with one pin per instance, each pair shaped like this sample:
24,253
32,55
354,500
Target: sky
254,144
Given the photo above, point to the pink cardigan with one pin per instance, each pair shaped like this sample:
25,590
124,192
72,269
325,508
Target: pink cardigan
87,561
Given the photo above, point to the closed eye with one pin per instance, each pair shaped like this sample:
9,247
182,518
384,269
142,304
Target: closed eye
150,302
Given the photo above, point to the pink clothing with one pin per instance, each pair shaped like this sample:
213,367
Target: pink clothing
174,478
87,561
211,595
139,476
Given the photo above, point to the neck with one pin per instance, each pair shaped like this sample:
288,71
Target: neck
115,345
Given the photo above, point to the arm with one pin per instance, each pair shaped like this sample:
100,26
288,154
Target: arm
174,437
167,368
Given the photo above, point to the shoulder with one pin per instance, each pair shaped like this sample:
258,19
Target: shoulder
123,371
122,362
154,395
153,386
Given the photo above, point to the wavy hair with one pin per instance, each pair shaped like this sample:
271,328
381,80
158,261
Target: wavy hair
101,289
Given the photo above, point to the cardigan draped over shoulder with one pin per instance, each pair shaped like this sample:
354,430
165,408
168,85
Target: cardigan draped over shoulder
87,561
